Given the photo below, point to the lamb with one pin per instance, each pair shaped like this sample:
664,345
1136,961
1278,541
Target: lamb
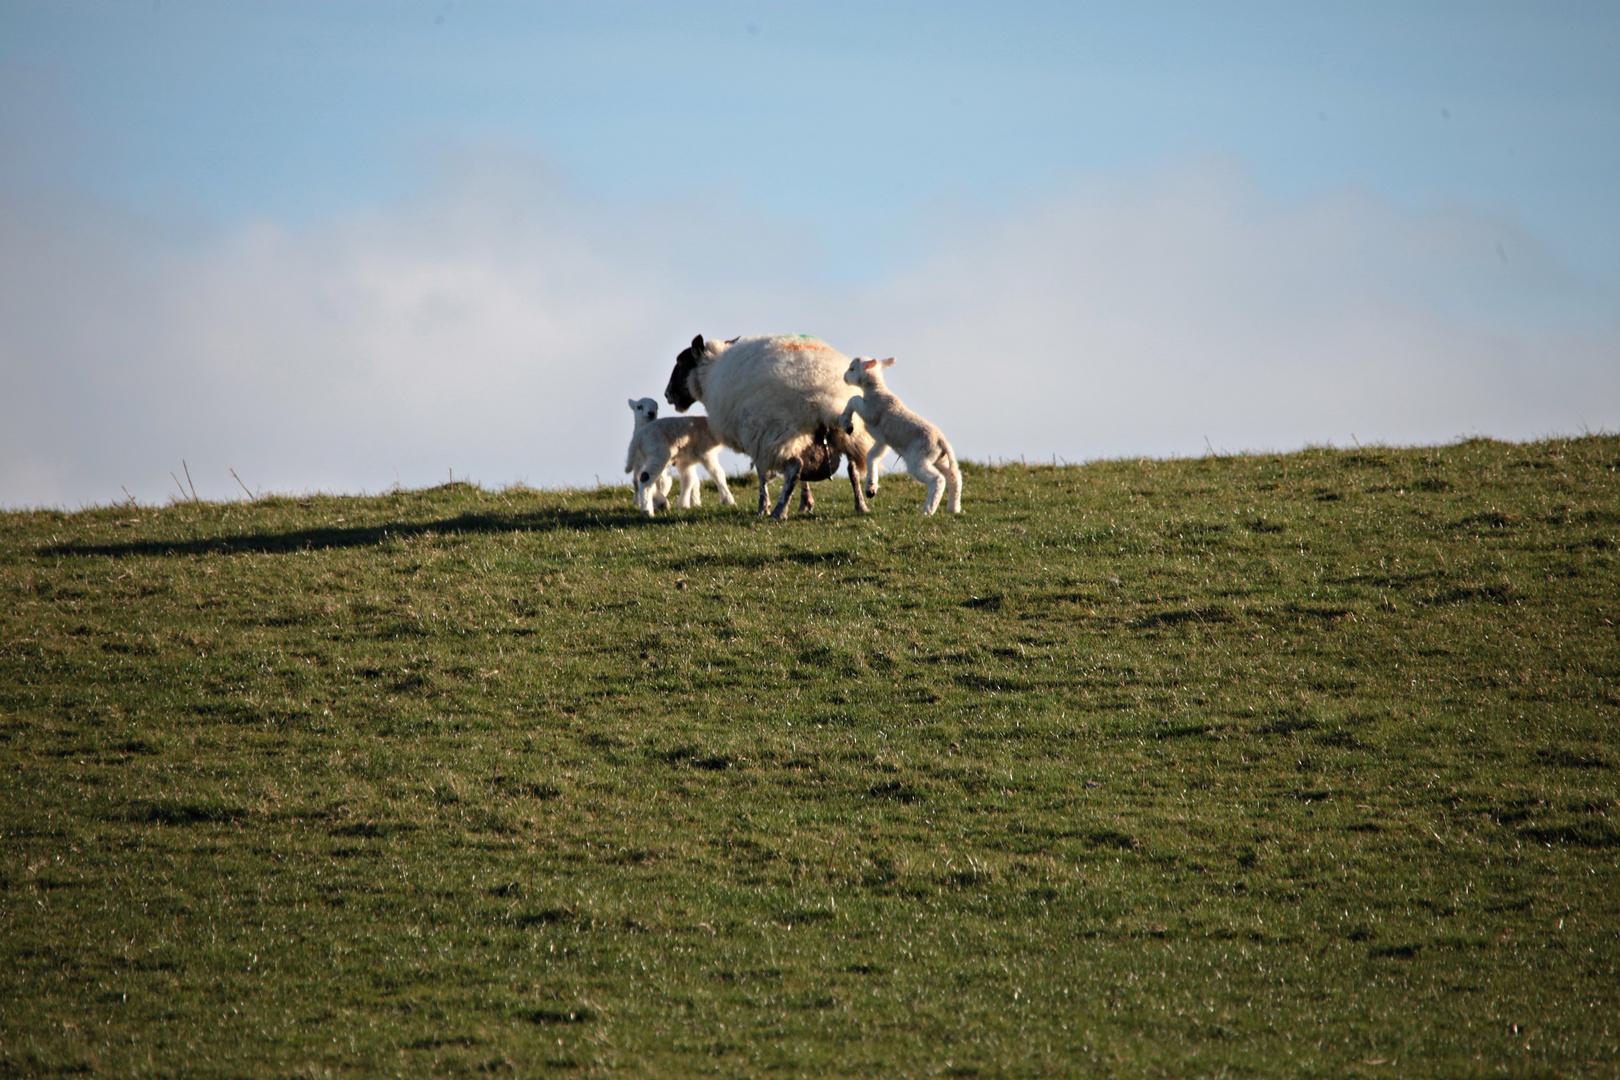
766,397
819,461
685,441
921,445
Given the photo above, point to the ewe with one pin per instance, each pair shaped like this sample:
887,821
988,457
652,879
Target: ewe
687,442
766,396
921,445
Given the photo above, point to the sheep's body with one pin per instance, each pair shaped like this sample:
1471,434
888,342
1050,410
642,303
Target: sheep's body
684,441
921,445
765,397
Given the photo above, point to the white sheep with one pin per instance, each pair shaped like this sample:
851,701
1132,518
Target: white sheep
766,397
685,441
921,445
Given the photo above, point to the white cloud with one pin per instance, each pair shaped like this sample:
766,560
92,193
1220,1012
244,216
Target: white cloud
495,324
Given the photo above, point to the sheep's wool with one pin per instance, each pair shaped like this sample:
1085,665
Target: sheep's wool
765,395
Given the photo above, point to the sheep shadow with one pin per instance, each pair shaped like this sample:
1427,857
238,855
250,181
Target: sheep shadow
733,560
325,538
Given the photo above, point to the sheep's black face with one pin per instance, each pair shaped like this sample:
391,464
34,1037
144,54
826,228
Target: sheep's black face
677,393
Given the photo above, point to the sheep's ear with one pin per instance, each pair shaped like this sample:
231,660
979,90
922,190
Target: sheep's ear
887,363
697,343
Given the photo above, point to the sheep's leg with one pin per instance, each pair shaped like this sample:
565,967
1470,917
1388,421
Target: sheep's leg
764,492
717,473
790,474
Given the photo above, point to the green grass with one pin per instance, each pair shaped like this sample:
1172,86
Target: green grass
1296,765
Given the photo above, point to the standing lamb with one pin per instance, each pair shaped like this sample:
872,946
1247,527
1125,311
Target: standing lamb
684,440
921,445
765,397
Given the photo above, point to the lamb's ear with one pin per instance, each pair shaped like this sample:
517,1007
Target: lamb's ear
868,365
887,363
632,402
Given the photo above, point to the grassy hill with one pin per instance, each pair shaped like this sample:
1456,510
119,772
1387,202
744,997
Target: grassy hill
1295,765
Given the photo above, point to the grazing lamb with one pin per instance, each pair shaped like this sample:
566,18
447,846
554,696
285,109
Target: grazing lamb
921,445
766,397
684,440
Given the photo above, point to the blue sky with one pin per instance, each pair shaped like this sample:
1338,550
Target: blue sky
407,231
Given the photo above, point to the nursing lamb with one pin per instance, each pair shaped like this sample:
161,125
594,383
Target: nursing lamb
766,397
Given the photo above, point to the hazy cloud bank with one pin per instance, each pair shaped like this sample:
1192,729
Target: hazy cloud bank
495,324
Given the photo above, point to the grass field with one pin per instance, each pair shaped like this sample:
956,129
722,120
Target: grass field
1297,765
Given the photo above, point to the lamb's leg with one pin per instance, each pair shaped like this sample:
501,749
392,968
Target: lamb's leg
851,407
874,461
855,486
790,474
807,501
643,498
647,497
661,488
633,467
925,471
953,483
655,468
691,490
717,473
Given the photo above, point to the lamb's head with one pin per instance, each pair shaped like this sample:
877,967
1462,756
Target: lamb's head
864,371
646,409
678,393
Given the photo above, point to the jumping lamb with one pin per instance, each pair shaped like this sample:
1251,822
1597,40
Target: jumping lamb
766,397
685,441
921,445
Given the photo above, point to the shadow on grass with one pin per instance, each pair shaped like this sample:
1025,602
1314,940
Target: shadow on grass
325,538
